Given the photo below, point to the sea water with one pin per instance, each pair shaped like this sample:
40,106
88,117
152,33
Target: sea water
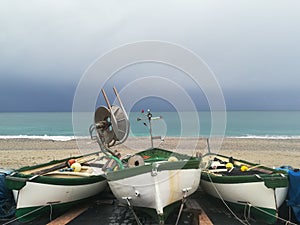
247,124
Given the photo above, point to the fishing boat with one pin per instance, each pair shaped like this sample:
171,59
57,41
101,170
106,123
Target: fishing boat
55,186
257,190
154,179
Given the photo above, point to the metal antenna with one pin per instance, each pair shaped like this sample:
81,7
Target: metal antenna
150,117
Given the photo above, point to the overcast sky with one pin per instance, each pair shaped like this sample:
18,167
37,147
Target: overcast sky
252,46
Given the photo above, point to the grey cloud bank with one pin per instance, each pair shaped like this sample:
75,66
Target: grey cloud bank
251,46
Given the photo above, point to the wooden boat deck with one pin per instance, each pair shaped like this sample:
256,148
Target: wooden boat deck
59,164
236,170
85,171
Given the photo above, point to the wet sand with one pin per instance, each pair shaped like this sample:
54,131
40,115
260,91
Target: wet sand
15,153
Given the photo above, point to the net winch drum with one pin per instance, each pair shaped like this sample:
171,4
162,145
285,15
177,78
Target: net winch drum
111,123
103,124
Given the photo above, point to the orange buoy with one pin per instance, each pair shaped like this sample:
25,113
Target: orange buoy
70,162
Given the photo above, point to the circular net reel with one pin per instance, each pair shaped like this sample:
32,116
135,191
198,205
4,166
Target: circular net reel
112,127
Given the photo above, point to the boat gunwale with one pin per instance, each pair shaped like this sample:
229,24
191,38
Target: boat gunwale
156,163
17,180
277,178
135,171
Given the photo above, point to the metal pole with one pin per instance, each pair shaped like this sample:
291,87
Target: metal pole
149,115
208,146
112,115
120,102
151,134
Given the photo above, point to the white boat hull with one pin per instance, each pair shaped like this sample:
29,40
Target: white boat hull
251,193
35,194
156,191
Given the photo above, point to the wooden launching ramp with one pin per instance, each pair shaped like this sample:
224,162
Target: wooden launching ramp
191,206
200,216
70,215
199,209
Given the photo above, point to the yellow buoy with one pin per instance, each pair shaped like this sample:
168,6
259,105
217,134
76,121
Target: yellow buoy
76,167
244,168
229,166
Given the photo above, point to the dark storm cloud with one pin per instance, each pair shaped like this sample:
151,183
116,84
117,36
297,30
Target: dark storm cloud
252,47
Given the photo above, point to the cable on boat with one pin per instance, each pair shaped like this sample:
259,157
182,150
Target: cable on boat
290,213
130,206
277,217
230,210
246,222
11,221
185,191
247,212
51,210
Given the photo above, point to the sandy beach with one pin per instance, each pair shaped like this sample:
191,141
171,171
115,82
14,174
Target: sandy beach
16,153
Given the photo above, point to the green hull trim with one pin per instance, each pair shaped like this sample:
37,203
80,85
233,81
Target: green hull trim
276,181
270,180
18,181
264,215
156,155
37,211
134,171
14,184
53,162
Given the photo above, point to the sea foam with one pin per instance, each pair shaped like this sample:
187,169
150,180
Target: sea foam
272,137
44,137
